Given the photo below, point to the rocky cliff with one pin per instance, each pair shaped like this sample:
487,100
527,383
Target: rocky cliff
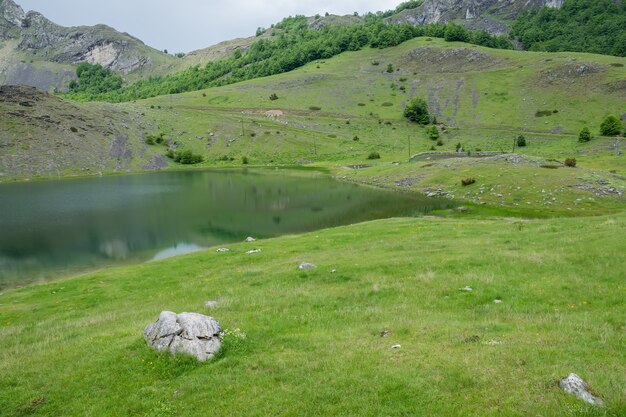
35,39
480,14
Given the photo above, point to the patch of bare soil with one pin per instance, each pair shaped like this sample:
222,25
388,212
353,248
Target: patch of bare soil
568,73
454,60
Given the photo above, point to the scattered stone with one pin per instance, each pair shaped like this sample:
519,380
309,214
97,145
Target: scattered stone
396,347
222,250
385,333
575,385
250,252
190,333
467,289
210,304
250,239
497,301
333,271
307,265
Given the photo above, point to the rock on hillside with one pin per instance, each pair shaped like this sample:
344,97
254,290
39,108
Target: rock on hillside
36,39
478,14
43,135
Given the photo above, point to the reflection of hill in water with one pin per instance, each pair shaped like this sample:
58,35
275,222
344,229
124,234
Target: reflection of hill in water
89,221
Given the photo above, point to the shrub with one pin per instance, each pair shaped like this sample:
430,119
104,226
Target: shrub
417,111
467,181
611,126
584,135
154,138
186,157
456,33
521,141
387,104
570,162
356,138
73,129
459,147
373,155
432,132
273,96
439,142
390,68
315,108
244,160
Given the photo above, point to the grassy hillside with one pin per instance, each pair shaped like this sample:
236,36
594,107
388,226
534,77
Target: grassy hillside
313,343
484,97
42,135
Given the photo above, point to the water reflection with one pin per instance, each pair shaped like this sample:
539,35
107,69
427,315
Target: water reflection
57,227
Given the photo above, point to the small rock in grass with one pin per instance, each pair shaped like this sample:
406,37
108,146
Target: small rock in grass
467,289
396,347
385,333
307,265
210,304
497,301
333,271
250,239
250,252
575,385
222,250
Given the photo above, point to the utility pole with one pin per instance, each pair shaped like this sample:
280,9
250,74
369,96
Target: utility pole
409,139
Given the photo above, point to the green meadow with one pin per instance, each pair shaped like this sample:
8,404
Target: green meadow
319,342
540,244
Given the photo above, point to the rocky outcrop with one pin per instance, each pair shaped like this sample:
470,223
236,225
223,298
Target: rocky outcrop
474,12
42,40
189,333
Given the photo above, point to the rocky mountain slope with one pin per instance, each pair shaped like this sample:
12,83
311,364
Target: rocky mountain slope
43,135
40,53
491,15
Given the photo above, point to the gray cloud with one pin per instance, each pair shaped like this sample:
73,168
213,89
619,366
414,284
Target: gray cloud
187,25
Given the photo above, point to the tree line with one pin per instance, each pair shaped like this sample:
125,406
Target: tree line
293,45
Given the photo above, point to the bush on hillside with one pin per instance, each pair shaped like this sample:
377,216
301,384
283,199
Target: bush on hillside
521,141
432,132
184,156
455,33
611,126
373,155
417,111
467,181
570,162
584,135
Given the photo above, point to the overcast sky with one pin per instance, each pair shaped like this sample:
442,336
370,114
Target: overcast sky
186,25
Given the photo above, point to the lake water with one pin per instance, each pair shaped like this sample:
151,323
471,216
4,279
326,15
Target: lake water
54,228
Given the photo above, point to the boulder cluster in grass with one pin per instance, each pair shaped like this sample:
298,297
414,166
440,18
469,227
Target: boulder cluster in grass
190,333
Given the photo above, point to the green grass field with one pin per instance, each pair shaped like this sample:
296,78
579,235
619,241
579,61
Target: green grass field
313,339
